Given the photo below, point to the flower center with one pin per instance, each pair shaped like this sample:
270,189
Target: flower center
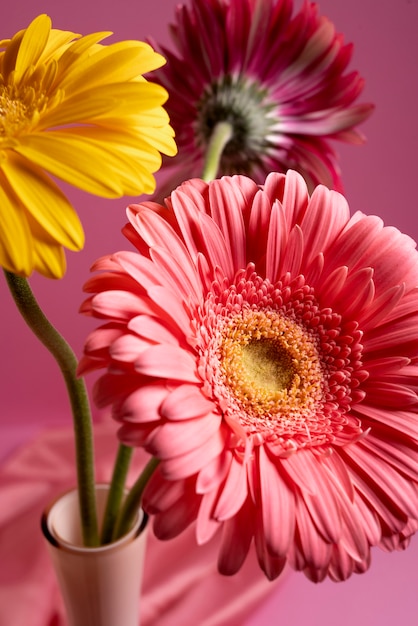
271,365
280,367
22,104
243,104
266,365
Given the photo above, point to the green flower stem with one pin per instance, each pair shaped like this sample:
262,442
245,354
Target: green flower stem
116,492
222,133
63,354
133,500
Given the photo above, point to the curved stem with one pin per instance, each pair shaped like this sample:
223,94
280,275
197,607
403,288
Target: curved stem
116,492
63,354
221,134
133,500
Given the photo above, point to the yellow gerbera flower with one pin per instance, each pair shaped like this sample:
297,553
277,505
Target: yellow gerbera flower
82,112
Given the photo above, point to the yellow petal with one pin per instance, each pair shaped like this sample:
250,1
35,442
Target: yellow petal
86,163
160,140
49,260
117,63
59,41
33,44
44,201
123,102
16,245
82,47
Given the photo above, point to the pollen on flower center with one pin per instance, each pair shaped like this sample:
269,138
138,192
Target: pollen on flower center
271,365
244,105
19,109
267,365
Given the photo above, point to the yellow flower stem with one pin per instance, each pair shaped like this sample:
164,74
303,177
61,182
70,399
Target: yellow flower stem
133,500
221,135
63,354
116,492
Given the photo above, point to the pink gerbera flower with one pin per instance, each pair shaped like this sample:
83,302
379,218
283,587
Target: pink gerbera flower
279,81
262,343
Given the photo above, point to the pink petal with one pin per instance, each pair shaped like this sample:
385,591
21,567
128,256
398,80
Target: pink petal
206,524
277,507
326,215
323,506
166,361
237,534
185,402
192,462
234,492
179,273
152,329
314,551
174,307
174,439
223,196
128,347
101,338
142,405
213,473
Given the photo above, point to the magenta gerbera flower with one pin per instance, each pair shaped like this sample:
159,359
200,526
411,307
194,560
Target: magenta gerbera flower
280,81
262,343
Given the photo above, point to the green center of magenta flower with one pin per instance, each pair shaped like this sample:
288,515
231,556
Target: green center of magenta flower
246,107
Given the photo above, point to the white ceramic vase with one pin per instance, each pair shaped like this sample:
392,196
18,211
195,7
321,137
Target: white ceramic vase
100,586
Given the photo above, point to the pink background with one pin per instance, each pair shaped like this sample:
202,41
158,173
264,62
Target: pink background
379,177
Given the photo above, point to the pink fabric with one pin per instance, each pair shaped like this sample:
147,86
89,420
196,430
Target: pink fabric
181,584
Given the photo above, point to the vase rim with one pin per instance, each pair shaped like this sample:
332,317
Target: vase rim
59,542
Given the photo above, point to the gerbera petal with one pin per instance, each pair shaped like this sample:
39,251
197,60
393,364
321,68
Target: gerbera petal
193,461
326,215
152,330
234,491
231,223
142,405
237,534
32,45
171,439
74,160
185,402
206,525
44,201
15,246
167,362
277,513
